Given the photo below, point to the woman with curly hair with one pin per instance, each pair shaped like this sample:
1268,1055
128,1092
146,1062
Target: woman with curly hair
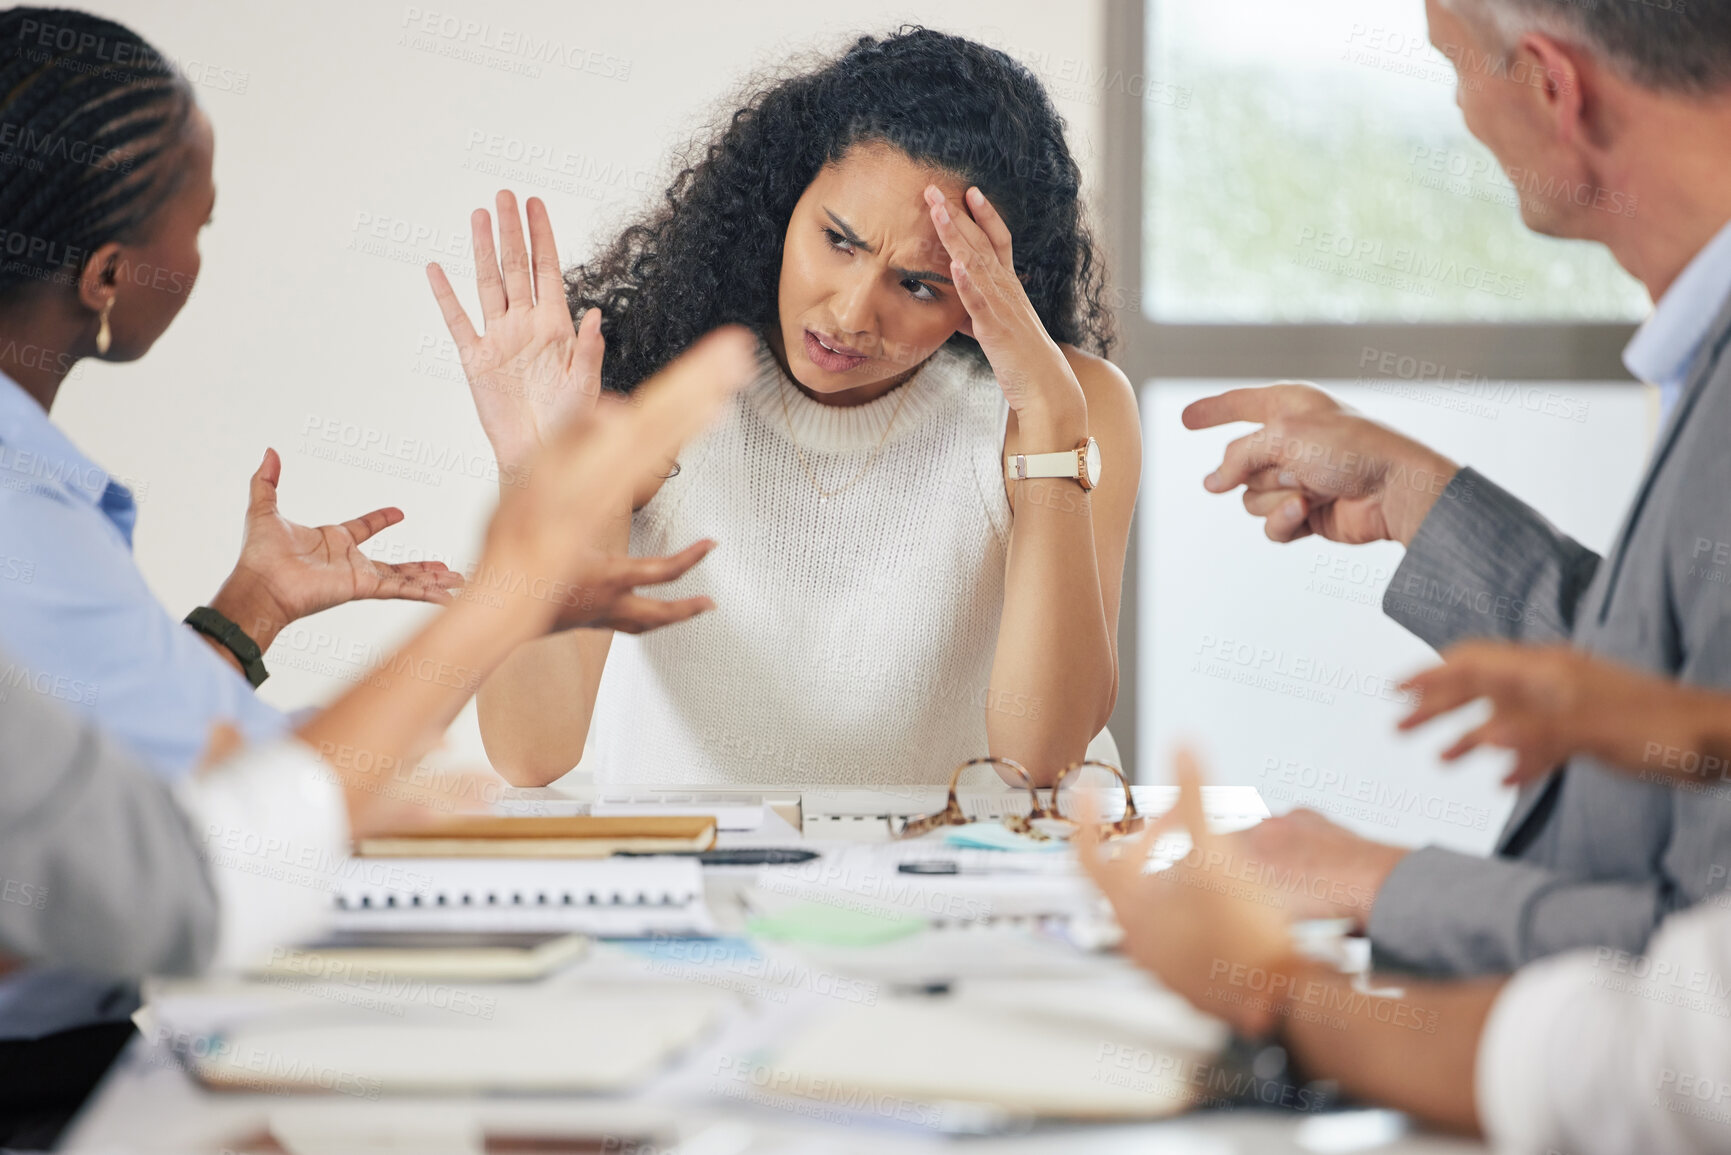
923,500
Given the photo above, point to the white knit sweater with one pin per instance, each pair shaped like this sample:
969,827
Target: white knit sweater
853,635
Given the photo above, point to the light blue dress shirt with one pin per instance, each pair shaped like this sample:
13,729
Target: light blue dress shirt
77,620
1665,346
78,623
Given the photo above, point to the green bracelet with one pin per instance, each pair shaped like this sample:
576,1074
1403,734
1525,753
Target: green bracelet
234,639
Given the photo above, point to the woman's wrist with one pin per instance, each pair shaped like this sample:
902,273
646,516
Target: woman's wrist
1051,427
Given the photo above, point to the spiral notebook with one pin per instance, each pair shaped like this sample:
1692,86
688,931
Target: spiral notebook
602,898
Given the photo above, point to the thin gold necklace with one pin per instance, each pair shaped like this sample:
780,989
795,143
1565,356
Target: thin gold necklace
871,460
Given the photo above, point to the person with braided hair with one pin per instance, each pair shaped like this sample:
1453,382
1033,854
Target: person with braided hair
105,183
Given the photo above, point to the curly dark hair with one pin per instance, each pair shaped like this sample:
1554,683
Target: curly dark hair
711,254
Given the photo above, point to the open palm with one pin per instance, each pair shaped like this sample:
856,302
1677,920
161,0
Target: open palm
306,569
530,370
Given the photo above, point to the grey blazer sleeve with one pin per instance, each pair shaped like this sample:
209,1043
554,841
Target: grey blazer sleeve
99,869
1485,564
1448,913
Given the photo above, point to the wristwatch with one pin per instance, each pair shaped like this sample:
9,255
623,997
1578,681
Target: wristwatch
1081,464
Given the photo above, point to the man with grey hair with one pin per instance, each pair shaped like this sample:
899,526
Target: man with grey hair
1594,107
1664,45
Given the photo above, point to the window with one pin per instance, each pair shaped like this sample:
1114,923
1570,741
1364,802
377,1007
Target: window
1291,193
1306,162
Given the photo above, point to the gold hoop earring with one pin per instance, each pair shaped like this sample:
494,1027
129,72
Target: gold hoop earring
104,338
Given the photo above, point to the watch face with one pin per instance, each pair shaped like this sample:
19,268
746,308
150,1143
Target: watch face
1093,462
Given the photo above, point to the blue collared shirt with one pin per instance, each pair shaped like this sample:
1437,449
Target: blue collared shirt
1665,347
77,620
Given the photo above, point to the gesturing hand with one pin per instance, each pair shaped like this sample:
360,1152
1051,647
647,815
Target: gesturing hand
288,571
531,370
601,592
1030,368
1550,702
1317,467
1200,918
545,529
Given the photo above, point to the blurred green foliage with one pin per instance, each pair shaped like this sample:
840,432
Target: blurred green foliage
1318,196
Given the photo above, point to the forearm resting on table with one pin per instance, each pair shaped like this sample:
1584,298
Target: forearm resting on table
1055,673
536,707
1416,1052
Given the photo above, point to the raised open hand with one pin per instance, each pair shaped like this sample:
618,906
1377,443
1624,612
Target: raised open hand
288,571
530,370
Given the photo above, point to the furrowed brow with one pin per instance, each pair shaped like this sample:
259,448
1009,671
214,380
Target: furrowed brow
853,239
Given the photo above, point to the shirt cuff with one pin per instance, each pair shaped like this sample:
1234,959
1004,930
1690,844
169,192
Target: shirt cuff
1513,1078
273,826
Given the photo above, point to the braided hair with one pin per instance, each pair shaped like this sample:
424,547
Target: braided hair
88,111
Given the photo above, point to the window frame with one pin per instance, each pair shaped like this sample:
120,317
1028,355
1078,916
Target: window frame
1149,350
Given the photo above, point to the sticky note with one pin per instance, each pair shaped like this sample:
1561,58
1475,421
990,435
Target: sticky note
996,836
828,925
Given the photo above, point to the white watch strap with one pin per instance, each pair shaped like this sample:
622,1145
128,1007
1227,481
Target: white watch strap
1065,463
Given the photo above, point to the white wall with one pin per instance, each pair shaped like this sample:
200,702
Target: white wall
336,117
